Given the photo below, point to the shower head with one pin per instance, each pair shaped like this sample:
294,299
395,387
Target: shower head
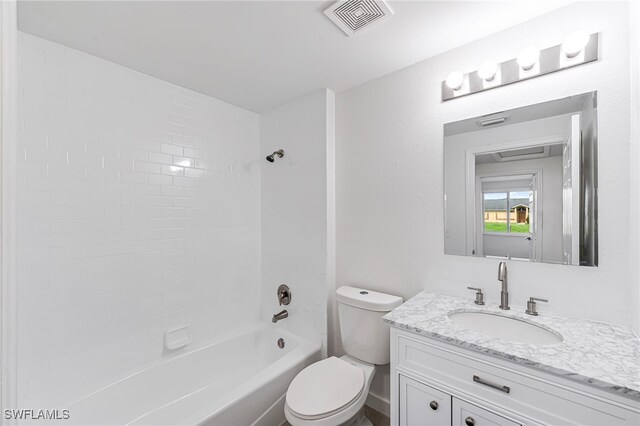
271,158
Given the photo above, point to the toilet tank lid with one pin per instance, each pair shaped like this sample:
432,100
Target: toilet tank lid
367,299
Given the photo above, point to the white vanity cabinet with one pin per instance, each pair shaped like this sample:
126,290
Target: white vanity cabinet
435,383
422,405
467,414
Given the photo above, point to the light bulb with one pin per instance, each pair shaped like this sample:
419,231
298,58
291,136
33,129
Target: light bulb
574,43
454,80
528,57
487,70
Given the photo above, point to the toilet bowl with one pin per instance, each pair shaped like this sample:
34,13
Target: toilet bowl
332,392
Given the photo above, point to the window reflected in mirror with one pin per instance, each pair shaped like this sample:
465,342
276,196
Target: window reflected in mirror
507,212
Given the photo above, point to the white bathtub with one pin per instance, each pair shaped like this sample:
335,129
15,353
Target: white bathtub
234,382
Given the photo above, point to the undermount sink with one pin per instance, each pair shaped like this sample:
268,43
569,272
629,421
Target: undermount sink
506,328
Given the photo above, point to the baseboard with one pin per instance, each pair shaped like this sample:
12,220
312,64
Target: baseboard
379,403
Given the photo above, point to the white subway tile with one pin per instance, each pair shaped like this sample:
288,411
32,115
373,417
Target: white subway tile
157,157
147,167
182,181
168,148
147,189
33,198
160,179
134,153
184,141
116,207
195,173
172,170
194,153
146,145
183,161
121,164
133,177
173,191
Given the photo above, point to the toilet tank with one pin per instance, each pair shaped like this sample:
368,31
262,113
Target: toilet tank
360,312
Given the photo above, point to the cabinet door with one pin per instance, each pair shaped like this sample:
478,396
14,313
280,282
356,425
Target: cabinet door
465,414
422,405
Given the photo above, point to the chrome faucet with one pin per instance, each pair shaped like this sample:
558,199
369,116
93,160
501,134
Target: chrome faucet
279,316
504,295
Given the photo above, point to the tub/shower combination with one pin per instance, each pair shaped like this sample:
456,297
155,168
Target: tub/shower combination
241,380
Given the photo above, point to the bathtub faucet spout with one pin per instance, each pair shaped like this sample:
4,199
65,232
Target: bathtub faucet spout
279,316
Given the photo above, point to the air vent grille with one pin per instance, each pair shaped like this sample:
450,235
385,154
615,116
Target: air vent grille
354,16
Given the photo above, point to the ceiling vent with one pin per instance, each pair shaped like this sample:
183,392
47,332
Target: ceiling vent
355,16
522,154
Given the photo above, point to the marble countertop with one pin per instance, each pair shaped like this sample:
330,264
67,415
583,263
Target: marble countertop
597,354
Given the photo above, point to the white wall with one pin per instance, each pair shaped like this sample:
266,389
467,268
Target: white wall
389,164
138,211
298,224
634,234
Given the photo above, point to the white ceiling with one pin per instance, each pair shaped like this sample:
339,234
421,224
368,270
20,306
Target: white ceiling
259,54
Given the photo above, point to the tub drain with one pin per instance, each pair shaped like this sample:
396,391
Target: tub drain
281,343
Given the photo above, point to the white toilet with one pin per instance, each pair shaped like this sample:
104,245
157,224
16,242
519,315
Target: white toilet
332,392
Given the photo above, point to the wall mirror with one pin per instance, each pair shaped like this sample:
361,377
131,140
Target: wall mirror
522,184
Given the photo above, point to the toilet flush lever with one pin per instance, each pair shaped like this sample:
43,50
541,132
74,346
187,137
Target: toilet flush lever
479,295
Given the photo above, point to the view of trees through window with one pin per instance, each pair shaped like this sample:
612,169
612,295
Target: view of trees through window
507,212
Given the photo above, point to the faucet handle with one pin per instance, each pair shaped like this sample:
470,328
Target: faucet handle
537,299
531,305
479,295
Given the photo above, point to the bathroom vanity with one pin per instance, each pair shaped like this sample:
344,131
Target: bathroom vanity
454,362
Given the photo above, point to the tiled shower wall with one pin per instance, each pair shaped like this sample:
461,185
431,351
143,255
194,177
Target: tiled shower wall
138,210
298,216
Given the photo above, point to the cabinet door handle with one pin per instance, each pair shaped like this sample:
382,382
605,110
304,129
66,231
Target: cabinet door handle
502,388
469,421
433,405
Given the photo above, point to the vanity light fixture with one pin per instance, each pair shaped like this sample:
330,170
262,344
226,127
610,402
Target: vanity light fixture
528,57
578,48
575,43
455,80
488,70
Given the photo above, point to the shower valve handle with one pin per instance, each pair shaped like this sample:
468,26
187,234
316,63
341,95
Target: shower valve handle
284,294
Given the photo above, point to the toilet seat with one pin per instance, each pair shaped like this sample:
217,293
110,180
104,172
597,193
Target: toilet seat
325,388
